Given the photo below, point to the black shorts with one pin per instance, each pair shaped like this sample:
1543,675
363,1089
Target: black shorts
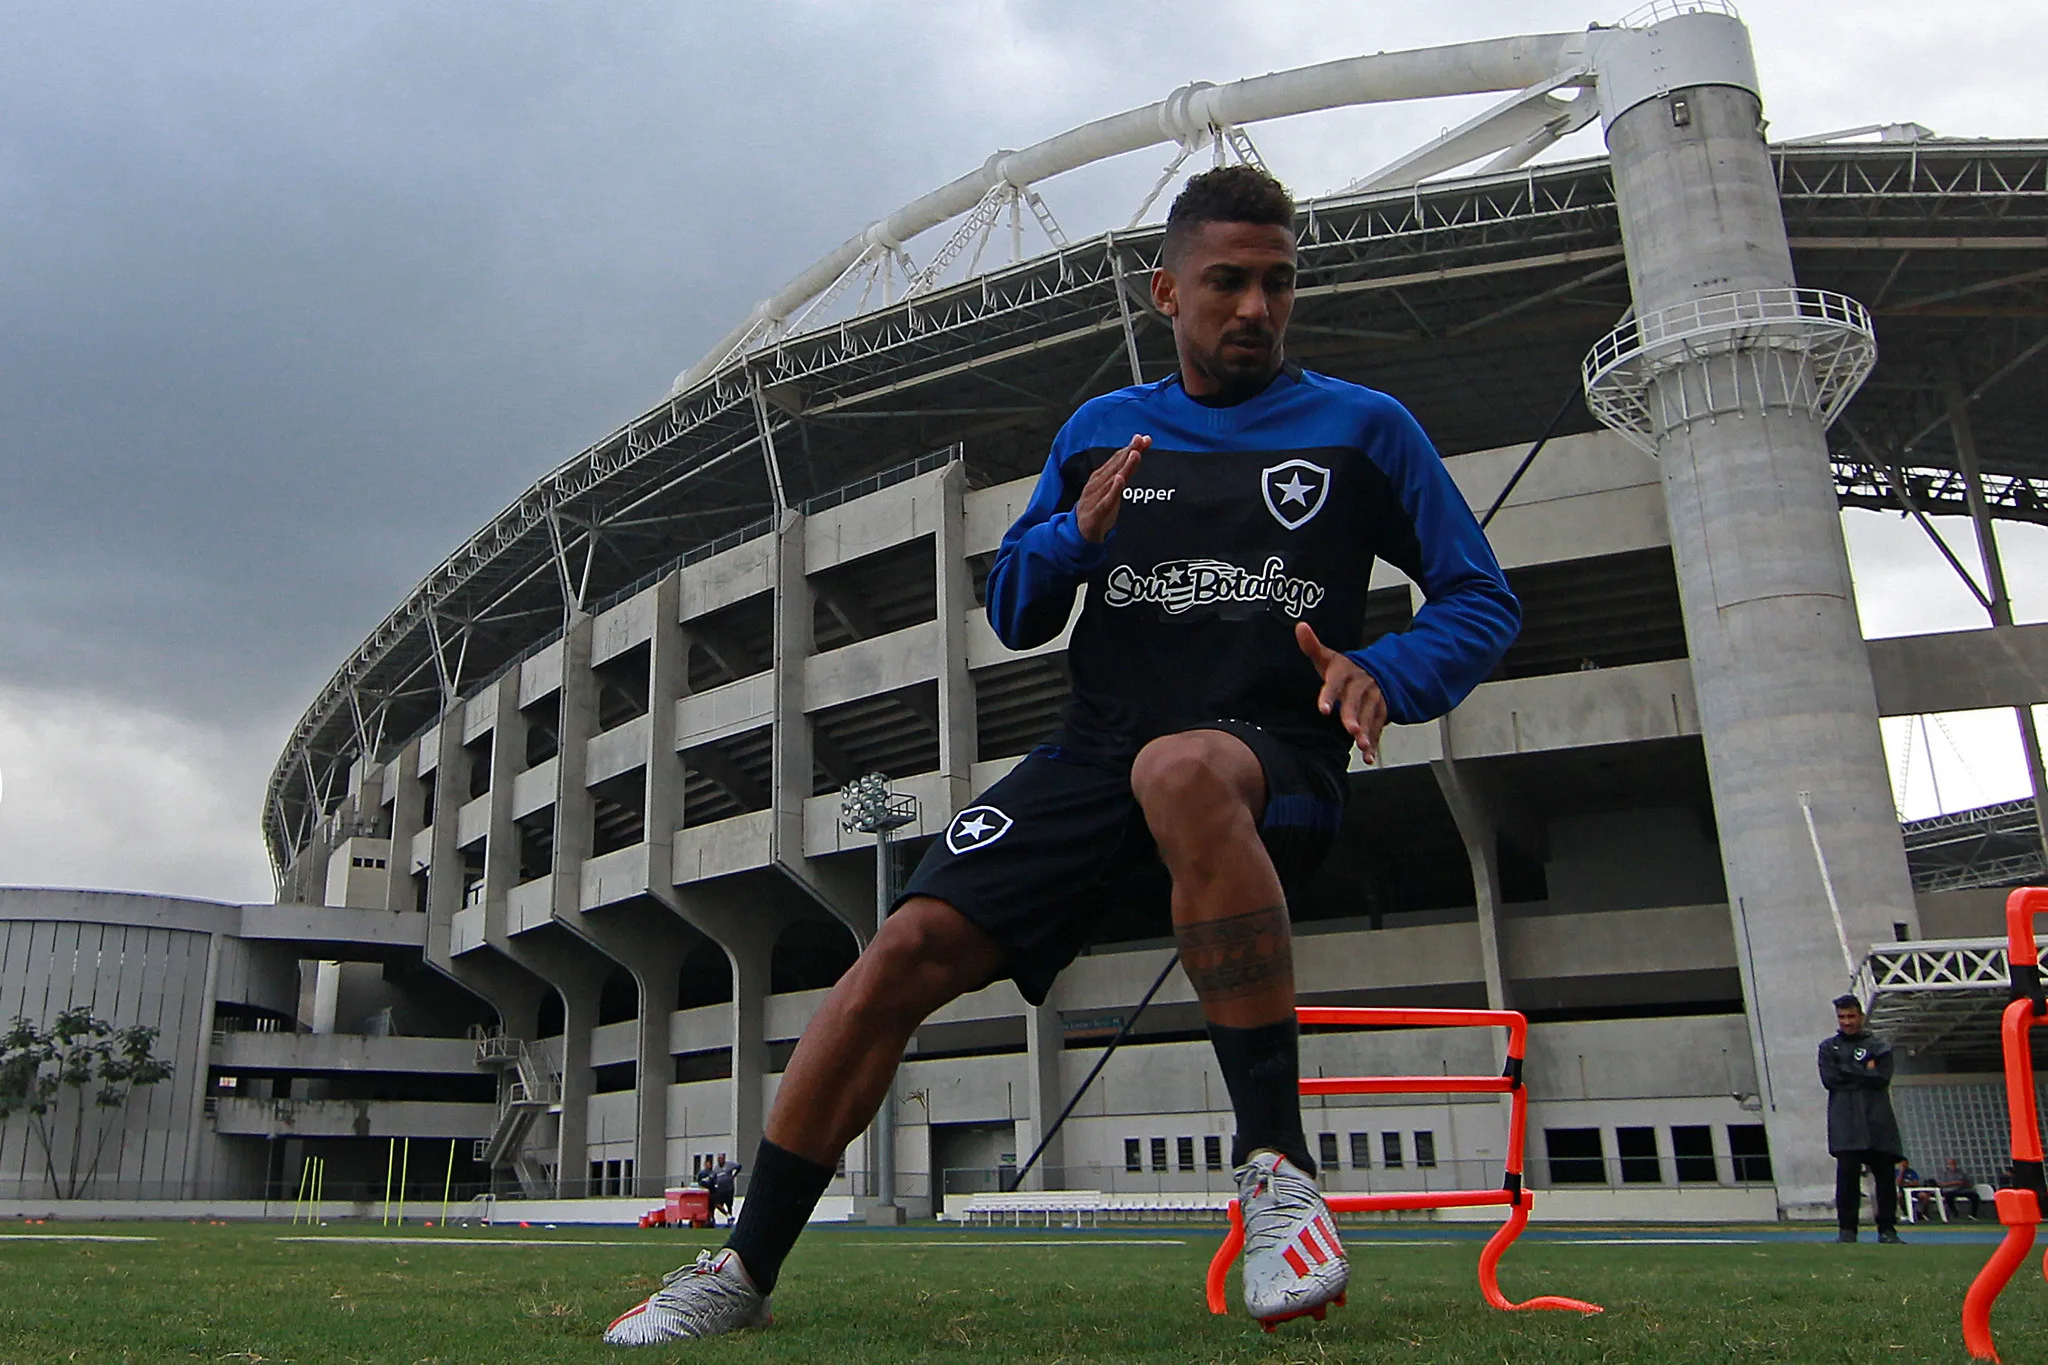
1042,859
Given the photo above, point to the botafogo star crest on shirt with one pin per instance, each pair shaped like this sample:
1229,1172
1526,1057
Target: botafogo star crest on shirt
976,828
1295,490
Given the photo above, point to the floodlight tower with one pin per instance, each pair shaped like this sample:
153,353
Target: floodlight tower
867,806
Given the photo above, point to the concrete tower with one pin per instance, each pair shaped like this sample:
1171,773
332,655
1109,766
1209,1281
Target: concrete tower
1735,401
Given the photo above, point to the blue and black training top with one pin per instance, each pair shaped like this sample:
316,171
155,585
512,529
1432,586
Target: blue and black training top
1240,521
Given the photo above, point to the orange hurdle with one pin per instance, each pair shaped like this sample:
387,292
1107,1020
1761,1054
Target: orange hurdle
1513,1194
2022,1209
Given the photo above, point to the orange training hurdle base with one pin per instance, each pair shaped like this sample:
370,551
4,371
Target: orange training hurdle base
2022,1209
1512,1195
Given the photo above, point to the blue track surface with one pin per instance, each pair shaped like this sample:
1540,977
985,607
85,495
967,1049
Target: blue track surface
1418,1234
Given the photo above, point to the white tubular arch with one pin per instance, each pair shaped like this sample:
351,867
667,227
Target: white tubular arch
1496,64
1684,43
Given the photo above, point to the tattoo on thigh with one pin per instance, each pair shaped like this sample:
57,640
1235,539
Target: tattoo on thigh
1243,955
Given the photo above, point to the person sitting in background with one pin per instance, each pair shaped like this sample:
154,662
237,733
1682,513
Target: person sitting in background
1956,1185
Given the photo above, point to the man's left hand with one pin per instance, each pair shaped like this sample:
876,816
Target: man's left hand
1349,692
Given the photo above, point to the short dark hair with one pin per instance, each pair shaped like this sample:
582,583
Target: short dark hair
1848,1002
1228,194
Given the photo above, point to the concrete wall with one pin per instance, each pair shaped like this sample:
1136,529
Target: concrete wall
229,989
128,975
1633,919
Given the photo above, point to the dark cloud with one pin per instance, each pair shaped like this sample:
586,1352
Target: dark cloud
297,299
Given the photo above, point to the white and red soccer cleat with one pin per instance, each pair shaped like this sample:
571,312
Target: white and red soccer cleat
1294,1266
708,1299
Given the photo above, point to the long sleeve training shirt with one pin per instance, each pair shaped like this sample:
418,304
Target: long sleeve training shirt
1241,521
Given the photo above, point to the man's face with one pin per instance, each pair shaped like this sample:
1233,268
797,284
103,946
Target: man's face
1849,1020
1229,294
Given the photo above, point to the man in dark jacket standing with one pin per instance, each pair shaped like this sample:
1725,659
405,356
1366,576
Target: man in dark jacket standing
1856,1068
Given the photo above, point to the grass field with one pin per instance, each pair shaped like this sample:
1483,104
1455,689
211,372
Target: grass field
243,1294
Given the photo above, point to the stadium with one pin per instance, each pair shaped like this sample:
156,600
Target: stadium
560,850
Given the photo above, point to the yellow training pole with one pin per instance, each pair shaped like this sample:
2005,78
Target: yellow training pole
448,1182
404,1174
390,1172
299,1201
319,1189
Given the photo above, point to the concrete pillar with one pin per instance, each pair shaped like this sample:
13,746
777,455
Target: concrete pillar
1473,807
451,782
403,773
642,935
572,1141
668,679
1785,697
833,884
750,954
742,917
957,723
1045,1094
1994,582
574,806
653,1072
508,756
790,771
196,1134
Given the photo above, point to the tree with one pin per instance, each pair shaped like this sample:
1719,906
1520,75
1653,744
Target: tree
77,1053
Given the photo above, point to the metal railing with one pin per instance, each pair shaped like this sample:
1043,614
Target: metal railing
1659,10
1798,348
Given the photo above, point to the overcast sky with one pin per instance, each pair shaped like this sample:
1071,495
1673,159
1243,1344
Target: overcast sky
294,297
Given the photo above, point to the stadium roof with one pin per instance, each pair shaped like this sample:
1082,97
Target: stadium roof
1472,300
1996,845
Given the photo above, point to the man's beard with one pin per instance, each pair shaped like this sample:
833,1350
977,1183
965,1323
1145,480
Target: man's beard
1241,378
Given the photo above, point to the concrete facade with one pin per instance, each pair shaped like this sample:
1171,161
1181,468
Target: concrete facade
228,989
628,844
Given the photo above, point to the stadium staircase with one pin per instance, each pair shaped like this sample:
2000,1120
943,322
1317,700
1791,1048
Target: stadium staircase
531,1088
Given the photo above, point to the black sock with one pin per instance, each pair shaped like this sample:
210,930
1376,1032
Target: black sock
1262,1068
784,1190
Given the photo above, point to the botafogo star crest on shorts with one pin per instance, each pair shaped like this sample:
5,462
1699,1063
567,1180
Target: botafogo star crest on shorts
976,828
1295,490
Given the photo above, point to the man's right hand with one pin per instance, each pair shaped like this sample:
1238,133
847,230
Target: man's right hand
1102,496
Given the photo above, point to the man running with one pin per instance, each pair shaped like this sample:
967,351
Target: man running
1225,521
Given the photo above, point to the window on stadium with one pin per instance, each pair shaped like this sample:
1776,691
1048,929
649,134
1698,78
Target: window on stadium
1134,1155
1425,1149
1749,1151
1212,1152
1692,1152
1390,1151
1184,1153
1326,1150
1159,1154
1361,1151
1639,1161
1576,1156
